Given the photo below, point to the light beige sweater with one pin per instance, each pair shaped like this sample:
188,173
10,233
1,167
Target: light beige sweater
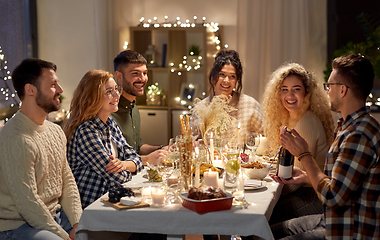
311,129
35,177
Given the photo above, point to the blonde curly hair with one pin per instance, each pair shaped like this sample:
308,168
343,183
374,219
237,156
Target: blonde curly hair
276,115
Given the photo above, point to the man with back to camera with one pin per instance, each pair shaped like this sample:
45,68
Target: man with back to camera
350,186
132,74
39,196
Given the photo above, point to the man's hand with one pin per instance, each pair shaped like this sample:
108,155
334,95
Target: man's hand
152,157
298,177
72,233
293,142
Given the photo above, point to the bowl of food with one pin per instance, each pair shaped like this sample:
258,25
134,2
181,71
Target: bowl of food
206,199
255,170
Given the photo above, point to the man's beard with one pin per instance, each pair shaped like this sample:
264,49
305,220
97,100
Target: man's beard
46,103
129,88
333,107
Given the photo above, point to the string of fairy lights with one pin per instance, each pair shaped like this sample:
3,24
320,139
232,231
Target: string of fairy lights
191,62
8,97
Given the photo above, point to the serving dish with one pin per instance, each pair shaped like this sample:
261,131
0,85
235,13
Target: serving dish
256,173
209,205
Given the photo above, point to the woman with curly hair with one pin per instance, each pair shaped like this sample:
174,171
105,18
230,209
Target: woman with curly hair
294,99
97,152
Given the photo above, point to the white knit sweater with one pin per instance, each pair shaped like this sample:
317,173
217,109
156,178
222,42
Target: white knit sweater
35,177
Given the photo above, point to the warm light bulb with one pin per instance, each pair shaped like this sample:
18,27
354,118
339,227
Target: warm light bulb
125,45
142,19
225,45
155,18
166,17
179,73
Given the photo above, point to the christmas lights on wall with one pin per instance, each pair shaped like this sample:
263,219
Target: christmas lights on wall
9,97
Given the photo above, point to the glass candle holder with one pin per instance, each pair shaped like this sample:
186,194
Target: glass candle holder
158,196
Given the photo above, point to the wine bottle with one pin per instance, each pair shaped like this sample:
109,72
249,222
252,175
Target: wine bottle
285,164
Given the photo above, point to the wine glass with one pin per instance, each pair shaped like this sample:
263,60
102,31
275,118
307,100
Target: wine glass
173,150
252,141
174,190
165,167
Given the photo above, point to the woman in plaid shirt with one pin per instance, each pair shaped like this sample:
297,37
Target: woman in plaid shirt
97,152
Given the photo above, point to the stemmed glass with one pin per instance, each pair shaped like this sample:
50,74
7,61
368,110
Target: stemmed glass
252,141
165,167
173,151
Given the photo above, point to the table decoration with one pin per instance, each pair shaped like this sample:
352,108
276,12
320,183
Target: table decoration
185,146
213,115
210,178
146,194
211,147
158,196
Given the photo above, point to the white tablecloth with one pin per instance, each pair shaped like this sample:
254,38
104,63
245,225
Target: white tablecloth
177,220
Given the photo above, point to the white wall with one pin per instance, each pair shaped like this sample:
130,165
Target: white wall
73,35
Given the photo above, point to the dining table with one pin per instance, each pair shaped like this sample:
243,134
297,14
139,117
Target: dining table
101,221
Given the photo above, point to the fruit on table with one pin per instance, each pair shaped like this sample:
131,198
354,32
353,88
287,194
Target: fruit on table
244,157
233,166
117,192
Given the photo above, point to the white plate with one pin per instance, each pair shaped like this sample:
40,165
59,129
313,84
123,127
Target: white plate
250,184
140,185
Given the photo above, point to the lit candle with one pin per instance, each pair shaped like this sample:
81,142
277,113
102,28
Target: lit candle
263,146
158,197
146,193
210,178
211,147
235,134
197,169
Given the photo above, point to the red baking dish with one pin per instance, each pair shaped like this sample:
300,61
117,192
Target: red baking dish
205,206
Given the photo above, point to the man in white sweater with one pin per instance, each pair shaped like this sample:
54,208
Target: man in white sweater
38,195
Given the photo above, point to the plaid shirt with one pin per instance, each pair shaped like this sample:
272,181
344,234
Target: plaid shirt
88,154
351,193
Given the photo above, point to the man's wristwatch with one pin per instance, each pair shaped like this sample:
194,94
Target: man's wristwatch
160,147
